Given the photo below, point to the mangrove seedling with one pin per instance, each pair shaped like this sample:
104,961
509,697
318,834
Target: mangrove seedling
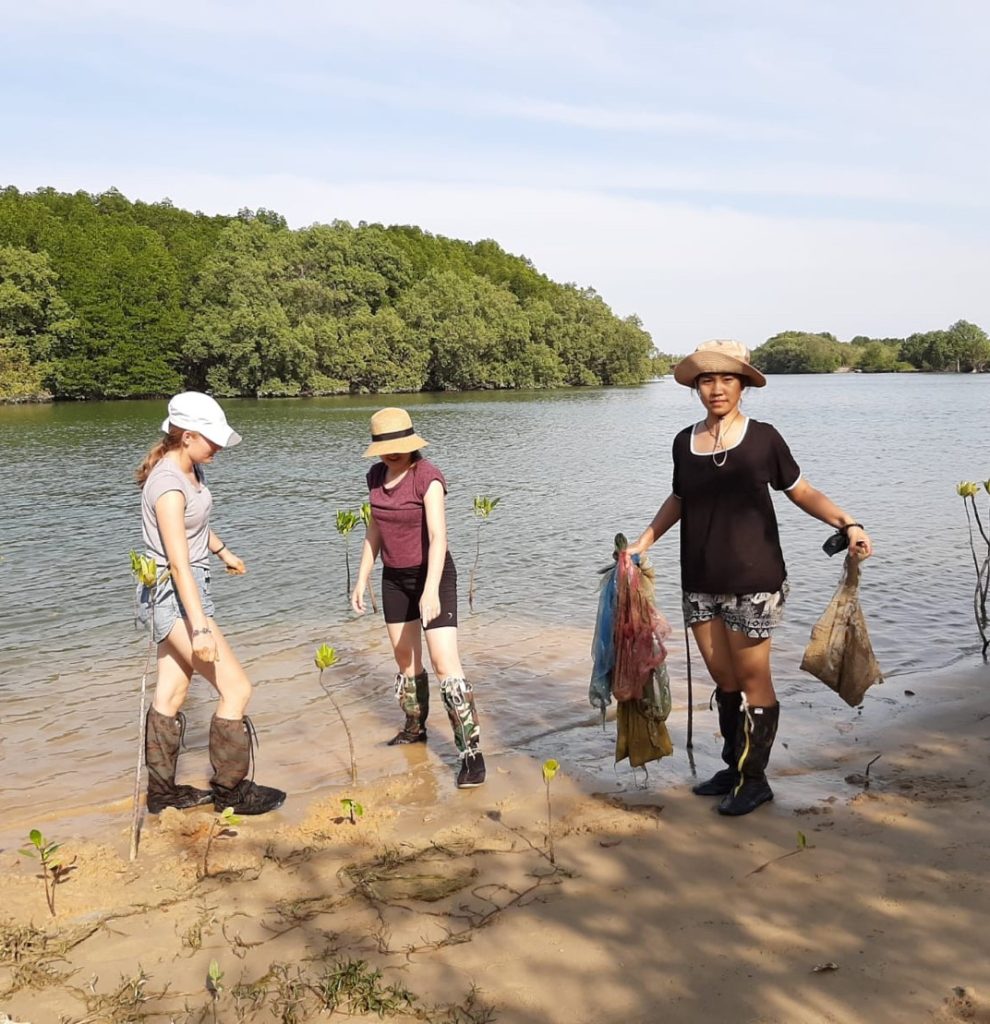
366,519
550,769
967,490
325,658
346,521
221,825
213,985
145,571
352,809
53,871
483,508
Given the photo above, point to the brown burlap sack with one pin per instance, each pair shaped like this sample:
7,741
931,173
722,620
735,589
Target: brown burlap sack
840,653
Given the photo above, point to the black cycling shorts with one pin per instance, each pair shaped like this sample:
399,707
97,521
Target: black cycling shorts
402,589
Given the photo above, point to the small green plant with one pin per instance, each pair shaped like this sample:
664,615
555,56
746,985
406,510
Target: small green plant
483,508
53,871
214,979
325,658
221,825
346,521
550,769
968,490
355,988
352,809
366,519
145,571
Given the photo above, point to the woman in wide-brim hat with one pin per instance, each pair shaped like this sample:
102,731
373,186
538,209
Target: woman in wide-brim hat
408,529
733,576
175,517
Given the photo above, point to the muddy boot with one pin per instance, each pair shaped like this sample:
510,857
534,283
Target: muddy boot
413,696
458,699
162,741
754,740
724,780
232,743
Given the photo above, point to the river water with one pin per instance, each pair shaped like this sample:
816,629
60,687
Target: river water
571,467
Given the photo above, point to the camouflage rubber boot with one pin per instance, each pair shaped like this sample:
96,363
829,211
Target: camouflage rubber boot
162,742
413,696
757,731
232,742
729,719
458,699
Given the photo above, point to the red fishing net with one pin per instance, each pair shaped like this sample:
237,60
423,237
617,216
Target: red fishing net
640,630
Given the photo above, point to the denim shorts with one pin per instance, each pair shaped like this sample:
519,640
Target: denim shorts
755,615
168,607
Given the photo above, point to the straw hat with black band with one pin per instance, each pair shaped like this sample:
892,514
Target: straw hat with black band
718,357
392,434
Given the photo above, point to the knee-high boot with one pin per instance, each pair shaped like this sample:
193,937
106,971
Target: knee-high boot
725,779
458,699
413,695
754,741
232,743
162,741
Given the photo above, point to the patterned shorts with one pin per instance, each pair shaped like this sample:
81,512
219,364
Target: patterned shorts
755,615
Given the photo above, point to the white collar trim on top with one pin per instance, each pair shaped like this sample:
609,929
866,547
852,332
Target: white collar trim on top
729,449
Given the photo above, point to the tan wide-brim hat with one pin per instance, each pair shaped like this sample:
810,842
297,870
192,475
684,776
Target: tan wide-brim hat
392,434
718,357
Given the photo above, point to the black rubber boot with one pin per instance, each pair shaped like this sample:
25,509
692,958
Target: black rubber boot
162,742
757,731
232,742
724,780
413,695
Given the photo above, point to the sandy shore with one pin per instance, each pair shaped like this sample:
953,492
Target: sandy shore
848,899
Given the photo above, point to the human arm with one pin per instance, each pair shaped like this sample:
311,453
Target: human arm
235,566
170,511
369,552
667,515
809,499
436,529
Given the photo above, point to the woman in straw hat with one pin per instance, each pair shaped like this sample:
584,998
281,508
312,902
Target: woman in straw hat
175,520
732,569
419,586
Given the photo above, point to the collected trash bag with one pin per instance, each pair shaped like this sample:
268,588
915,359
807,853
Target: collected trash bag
840,653
642,734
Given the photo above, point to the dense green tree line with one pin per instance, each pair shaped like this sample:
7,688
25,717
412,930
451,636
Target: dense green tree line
961,348
104,297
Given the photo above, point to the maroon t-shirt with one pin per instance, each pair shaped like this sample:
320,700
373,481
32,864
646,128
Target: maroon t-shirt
400,512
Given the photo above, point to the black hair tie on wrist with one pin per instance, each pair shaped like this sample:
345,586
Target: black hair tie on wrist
219,549
849,526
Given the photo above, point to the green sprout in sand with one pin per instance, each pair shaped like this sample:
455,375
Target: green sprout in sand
53,871
346,521
325,658
550,769
214,986
221,825
352,809
366,519
146,572
968,490
483,508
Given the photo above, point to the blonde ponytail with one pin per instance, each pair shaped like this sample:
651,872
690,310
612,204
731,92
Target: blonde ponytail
157,453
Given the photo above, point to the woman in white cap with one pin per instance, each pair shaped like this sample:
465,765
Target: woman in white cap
732,569
175,520
419,586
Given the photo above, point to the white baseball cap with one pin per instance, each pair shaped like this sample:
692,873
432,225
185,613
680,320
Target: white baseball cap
192,410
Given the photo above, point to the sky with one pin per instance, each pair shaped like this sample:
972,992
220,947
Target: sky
719,169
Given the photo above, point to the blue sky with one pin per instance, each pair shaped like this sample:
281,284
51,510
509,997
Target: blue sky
721,169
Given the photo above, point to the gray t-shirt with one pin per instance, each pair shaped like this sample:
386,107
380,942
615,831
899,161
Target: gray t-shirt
165,477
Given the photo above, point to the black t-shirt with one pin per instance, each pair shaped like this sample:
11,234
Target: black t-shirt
729,539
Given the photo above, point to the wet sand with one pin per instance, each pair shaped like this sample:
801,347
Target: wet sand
655,908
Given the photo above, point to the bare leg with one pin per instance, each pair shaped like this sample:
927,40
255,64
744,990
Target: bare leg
407,646
442,645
